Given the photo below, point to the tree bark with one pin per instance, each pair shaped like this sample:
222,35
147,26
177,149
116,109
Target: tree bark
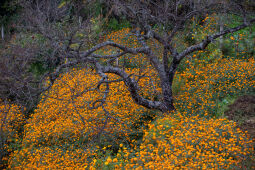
2,32
221,29
167,95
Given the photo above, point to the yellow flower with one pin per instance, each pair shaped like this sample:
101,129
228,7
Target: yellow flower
109,160
115,160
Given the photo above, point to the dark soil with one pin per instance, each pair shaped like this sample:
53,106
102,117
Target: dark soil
242,111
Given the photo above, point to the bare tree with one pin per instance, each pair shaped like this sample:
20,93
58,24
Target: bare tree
56,30
172,16
169,15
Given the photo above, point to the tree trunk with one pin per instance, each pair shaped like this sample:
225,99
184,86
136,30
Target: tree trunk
221,29
167,95
2,32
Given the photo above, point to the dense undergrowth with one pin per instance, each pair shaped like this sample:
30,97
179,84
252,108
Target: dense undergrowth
12,121
63,132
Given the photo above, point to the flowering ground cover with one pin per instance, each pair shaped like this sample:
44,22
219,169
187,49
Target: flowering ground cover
64,132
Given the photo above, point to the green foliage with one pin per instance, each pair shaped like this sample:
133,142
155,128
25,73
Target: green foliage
189,39
222,105
37,68
205,84
8,9
206,87
113,24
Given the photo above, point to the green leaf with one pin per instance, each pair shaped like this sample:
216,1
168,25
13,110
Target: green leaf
74,46
63,3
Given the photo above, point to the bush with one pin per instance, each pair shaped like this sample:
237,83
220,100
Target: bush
64,133
11,121
182,142
205,86
64,123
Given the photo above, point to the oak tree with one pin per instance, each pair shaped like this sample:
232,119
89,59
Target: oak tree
160,21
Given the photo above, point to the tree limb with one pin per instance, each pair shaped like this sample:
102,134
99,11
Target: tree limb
211,38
